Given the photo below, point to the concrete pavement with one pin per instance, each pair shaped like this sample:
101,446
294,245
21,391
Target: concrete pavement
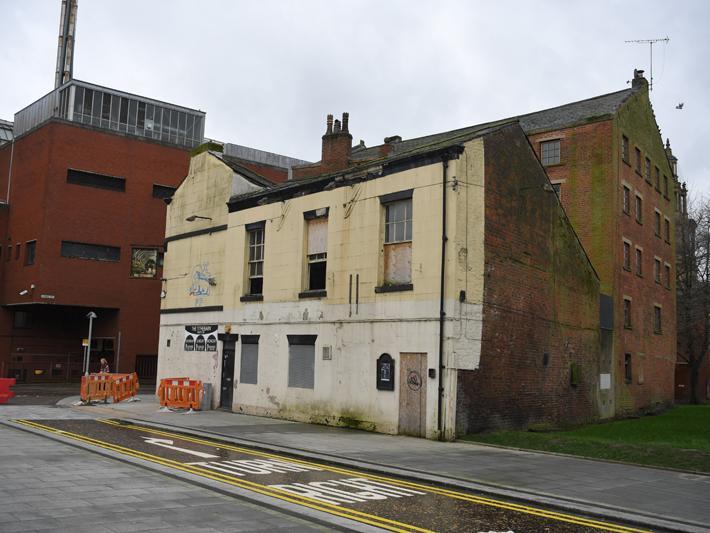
673,500
48,486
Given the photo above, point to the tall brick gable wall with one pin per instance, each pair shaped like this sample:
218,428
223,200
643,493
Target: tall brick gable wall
540,297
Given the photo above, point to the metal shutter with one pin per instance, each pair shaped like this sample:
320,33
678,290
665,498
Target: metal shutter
301,364
248,368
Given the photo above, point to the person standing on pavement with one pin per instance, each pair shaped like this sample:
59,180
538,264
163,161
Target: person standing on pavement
104,366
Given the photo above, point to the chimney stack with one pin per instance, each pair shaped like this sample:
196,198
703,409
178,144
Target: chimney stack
337,144
639,81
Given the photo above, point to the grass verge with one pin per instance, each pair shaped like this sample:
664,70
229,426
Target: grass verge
678,438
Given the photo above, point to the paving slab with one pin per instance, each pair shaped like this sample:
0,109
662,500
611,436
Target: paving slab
675,495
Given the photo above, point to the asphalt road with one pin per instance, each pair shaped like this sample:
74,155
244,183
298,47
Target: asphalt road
390,503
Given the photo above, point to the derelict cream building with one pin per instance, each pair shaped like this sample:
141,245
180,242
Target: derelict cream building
361,292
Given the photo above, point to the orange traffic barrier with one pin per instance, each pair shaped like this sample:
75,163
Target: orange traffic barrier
181,393
5,392
102,386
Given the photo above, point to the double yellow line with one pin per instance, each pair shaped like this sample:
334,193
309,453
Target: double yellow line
352,514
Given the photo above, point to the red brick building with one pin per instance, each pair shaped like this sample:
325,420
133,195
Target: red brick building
82,228
606,157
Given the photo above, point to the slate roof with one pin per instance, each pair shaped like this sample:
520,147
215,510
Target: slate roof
436,143
562,116
581,112
236,166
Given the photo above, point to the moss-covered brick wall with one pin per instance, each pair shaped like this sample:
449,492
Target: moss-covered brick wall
541,303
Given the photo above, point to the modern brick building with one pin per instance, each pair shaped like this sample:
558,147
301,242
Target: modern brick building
82,228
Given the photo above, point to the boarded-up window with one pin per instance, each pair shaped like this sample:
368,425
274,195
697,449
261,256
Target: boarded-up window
317,252
398,242
301,361
249,366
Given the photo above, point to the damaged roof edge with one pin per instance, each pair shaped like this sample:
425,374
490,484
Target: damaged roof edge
420,156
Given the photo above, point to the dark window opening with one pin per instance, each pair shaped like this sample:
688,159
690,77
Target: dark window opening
21,320
91,179
30,250
627,368
625,148
627,313
96,252
657,320
316,272
163,191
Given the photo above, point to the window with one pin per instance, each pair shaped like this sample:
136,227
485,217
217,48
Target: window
627,255
21,320
639,262
657,319
625,149
96,252
665,186
144,262
657,223
627,313
627,368
317,246
249,365
92,179
638,160
557,187
550,152
30,251
627,200
639,209
255,235
398,241
163,191
657,270
668,276
667,229
647,170
658,179
301,361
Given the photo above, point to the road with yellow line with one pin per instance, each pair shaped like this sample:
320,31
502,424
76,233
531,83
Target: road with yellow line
386,502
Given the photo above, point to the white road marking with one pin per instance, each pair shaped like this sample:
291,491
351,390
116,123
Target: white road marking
167,443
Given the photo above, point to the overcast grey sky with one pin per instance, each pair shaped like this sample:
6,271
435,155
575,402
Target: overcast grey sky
268,72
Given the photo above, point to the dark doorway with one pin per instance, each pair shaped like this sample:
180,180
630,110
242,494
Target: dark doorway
227,386
147,367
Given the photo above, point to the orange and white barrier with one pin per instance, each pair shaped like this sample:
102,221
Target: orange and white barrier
102,386
181,393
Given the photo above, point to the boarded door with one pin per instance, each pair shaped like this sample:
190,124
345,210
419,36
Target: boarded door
227,386
412,394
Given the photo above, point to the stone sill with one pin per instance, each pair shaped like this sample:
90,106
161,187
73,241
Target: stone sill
252,298
394,288
313,294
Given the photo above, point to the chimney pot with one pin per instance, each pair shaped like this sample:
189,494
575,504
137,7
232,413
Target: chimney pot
346,117
336,127
329,125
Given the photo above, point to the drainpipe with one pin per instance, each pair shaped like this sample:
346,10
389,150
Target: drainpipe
442,313
9,174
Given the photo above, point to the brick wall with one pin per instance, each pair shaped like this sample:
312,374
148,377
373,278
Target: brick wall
540,297
45,208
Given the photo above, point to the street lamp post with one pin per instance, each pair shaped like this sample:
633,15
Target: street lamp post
91,316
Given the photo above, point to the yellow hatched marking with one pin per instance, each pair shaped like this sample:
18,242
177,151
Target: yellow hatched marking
562,517
352,514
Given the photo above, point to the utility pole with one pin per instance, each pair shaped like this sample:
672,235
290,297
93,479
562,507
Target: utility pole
650,43
65,48
91,316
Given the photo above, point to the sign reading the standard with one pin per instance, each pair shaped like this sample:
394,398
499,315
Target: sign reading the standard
201,338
